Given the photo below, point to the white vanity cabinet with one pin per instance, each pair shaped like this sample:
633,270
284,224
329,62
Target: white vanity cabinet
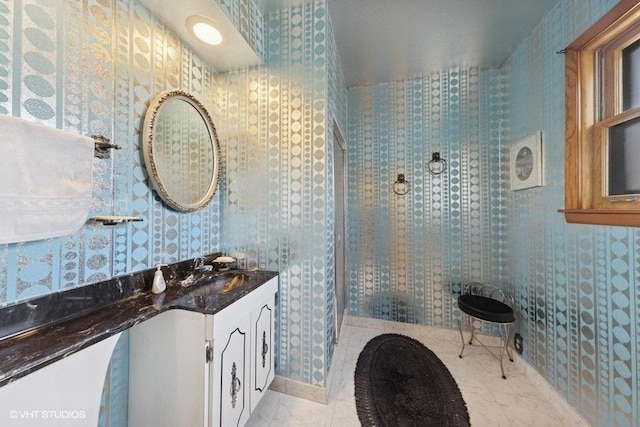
231,369
243,365
191,369
262,334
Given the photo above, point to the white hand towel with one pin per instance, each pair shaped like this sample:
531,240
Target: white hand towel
45,180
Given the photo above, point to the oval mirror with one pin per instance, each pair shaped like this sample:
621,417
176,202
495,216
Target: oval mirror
181,150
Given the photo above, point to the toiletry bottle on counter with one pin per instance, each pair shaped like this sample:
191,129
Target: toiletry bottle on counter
159,284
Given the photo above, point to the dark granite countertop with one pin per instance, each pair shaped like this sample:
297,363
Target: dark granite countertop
38,332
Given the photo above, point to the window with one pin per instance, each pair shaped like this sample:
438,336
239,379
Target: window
602,72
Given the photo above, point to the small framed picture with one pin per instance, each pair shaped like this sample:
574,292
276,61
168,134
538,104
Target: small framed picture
526,162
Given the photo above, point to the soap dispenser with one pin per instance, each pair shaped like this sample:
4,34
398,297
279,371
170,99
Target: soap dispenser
159,284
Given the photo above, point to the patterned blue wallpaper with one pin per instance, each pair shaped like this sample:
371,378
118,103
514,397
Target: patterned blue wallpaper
277,203
247,19
337,93
577,286
407,254
114,402
92,67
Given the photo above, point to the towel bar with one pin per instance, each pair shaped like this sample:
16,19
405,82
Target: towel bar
102,146
114,219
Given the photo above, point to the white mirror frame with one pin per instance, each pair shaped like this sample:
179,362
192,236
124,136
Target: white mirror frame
147,149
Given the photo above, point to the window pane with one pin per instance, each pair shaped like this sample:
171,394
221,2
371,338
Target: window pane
631,76
624,158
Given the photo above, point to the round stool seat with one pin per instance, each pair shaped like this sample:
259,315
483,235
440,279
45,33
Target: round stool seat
486,308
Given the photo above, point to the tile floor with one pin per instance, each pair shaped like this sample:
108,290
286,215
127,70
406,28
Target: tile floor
491,401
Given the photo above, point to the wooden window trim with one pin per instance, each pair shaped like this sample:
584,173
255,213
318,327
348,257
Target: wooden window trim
584,180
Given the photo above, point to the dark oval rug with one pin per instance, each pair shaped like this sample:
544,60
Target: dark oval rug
400,382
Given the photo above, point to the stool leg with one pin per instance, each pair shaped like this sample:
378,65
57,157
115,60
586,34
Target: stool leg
461,335
508,340
471,328
505,346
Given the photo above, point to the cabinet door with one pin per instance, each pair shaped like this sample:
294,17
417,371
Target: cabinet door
262,350
231,377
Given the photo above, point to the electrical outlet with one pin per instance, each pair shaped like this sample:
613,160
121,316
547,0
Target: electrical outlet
517,343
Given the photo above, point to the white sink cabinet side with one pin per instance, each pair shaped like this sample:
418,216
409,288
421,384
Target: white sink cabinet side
188,368
238,333
66,392
168,371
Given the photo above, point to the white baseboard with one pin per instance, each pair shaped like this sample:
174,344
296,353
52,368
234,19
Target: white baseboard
295,388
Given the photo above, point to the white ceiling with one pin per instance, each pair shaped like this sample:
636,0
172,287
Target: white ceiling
386,40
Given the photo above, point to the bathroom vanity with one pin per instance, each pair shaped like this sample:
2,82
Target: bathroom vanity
201,355
195,369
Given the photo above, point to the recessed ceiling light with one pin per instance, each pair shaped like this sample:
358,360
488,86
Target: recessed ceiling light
204,29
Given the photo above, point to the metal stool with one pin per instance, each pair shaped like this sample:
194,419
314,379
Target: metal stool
488,304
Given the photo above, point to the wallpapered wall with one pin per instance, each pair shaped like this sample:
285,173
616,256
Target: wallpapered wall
337,92
248,21
578,287
276,206
408,253
92,67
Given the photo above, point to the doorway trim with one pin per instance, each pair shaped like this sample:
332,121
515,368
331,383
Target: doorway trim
338,318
